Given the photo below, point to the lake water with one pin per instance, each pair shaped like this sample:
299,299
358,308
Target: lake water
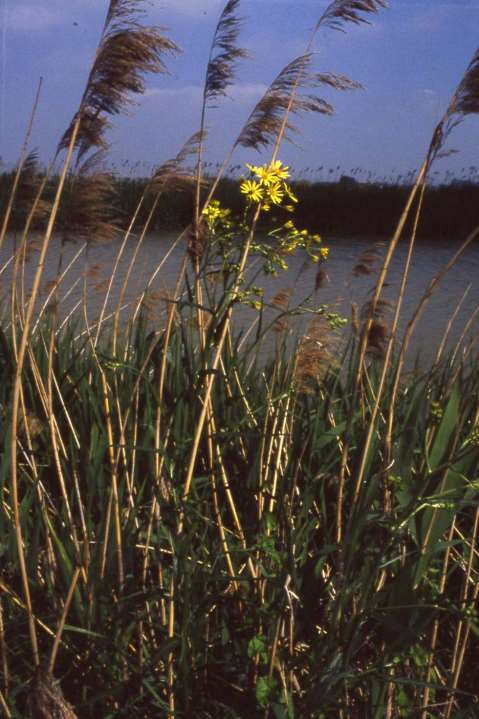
339,289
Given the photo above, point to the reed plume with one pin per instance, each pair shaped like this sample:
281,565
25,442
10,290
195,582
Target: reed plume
224,53
314,354
340,12
28,188
87,214
127,51
465,101
174,174
378,335
367,262
267,117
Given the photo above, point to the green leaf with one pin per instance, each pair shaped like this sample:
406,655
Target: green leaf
445,431
265,689
258,646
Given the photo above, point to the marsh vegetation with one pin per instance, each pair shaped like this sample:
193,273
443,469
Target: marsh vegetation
188,528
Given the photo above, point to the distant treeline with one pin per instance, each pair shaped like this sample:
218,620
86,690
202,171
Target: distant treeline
341,208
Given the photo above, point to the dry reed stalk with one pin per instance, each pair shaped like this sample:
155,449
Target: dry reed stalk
435,628
43,395
419,309
114,480
392,338
18,308
336,14
265,121
464,627
63,618
171,656
170,174
122,441
465,101
279,451
155,274
115,268
4,706
26,425
223,57
67,414
130,475
363,347
449,325
3,653
86,537
463,334
263,465
8,591
229,496
363,344
106,536
125,53
23,157
166,337
16,395
214,367
54,433
52,292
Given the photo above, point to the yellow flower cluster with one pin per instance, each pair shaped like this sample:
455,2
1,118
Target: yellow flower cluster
294,238
214,214
269,186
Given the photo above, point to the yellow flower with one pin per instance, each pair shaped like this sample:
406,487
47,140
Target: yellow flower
275,193
215,214
264,175
279,170
252,190
211,212
290,193
324,252
269,174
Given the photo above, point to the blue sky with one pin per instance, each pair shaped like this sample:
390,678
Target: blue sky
409,61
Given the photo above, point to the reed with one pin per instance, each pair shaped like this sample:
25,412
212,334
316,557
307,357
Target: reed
187,526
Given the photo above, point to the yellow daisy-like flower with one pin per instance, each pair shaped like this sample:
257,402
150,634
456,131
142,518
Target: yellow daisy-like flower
275,193
269,174
264,175
252,190
277,169
324,252
211,212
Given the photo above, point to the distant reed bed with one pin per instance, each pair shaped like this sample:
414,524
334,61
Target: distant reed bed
339,208
188,529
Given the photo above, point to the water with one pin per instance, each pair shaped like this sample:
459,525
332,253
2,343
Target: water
340,289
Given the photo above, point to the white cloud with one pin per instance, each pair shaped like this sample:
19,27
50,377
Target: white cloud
191,93
242,93
247,92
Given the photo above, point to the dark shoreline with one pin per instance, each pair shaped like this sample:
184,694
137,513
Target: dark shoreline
345,208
